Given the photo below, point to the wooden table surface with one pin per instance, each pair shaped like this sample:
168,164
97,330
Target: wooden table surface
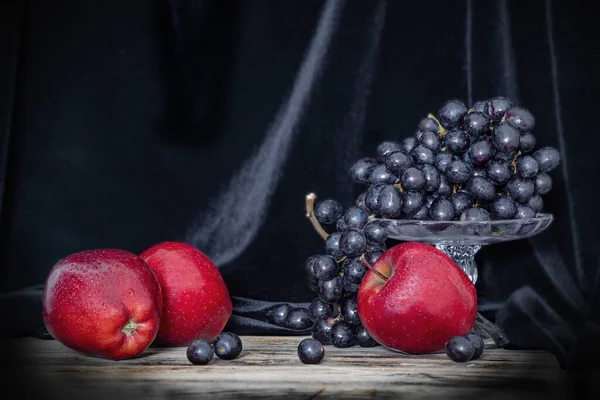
269,367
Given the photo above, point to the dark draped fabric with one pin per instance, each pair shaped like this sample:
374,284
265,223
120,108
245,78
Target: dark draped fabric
124,124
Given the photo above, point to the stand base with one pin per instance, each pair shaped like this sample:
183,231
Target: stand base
464,257
493,336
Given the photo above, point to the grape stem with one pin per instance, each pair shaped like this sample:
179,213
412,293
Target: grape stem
399,186
371,268
310,214
514,161
441,130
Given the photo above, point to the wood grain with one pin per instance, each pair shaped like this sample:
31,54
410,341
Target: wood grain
269,367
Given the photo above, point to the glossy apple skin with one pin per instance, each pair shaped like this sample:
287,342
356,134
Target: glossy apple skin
426,300
196,301
91,296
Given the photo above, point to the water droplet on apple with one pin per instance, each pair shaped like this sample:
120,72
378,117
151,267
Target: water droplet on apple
131,292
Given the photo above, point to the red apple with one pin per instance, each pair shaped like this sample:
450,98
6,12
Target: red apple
104,302
425,301
196,302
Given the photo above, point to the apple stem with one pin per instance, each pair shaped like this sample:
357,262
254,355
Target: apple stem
310,214
371,268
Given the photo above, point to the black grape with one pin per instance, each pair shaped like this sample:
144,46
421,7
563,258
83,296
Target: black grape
380,174
331,291
298,319
390,202
428,124
350,289
342,335
325,267
506,137
385,149
542,183
461,201
536,203
498,171
430,140
413,179
423,155
520,118
524,212
445,189
318,309
412,202
355,218
408,145
375,232
349,311
371,197
364,339
277,315
432,178
373,255
321,328
340,225
479,106
441,210
458,172
332,245
353,243
475,214
527,142
360,202
328,211
481,189
354,270
457,141
476,123
360,171
481,152
452,113
503,208
527,166
398,162
442,160
497,107
547,157
520,189
309,267
422,214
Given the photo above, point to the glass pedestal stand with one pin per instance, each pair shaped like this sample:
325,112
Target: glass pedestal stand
461,240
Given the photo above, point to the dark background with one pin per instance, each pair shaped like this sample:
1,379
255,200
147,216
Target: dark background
121,122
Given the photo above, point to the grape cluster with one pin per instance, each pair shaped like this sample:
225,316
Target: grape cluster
468,164
336,274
